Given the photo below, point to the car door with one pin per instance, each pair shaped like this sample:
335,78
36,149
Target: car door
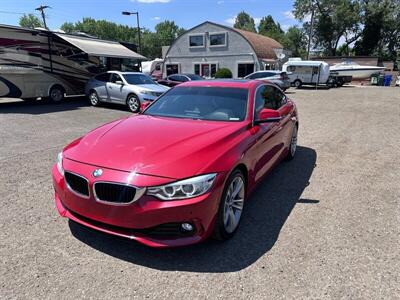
99,84
115,88
268,136
285,108
174,80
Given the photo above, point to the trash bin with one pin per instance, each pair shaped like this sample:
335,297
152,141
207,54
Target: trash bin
381,80
387,80
374,79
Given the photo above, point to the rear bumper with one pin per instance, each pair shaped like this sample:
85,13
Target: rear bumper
137,220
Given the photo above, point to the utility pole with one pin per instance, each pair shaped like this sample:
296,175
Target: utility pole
311,30
127,13
41,8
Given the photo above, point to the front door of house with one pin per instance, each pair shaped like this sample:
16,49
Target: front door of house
205,70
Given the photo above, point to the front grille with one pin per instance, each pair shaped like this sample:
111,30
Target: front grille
114,193
77,184
162,231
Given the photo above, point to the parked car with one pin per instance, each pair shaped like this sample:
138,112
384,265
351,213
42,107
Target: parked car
183,169
280,78
175,79
135,90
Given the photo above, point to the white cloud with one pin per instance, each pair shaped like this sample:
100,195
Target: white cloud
151,1
155,18
231,21
285,27
289,15
220,2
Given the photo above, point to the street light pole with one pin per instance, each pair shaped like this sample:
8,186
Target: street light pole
127,13
41,8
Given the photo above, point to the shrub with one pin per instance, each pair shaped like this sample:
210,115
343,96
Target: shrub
223,73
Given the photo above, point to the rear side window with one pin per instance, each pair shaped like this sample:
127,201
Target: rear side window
102,77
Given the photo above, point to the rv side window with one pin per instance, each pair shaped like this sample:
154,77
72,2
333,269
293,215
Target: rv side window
291,68
102,77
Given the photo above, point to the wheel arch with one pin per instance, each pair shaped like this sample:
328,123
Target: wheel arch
56,85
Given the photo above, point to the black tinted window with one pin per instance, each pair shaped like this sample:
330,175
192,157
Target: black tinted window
269,97
103,77
205,103
138,79
115,78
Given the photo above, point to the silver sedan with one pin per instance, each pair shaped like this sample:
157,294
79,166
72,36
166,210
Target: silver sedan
129,88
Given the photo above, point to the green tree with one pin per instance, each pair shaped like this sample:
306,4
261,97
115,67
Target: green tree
245,22
165,33
269,28
333,20
295,40
30,21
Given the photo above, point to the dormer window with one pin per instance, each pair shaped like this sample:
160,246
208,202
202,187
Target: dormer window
218,39
196,41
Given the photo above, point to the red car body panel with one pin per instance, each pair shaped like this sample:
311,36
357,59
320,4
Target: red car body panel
146,151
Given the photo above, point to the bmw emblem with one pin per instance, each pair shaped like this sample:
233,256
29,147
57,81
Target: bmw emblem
97,172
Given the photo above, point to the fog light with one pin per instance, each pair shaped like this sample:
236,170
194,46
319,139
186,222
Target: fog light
187,226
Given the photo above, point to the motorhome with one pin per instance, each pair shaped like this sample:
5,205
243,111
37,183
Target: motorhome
303,72
47,64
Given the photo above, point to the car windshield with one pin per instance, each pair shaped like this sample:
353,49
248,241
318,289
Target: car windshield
194,77
204,103
138,79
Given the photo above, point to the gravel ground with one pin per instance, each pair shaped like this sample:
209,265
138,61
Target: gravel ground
325,225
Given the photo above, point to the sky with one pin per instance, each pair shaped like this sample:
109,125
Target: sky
185,13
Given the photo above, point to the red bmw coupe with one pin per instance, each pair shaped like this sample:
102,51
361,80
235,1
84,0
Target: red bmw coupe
182,170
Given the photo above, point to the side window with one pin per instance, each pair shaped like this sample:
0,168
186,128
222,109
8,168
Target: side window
174,77
268,97
183,78
115,78
102,77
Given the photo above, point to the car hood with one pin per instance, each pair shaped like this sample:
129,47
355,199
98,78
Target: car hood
151,87
167,147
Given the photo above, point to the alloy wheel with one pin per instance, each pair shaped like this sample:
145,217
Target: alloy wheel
233,205
293,141
94,100
134,104
56,95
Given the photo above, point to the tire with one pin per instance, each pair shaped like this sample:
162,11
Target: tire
56,94
94,98
297,83
293,144
133,103
228,215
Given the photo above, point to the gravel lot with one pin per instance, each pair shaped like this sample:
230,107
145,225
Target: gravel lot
326,225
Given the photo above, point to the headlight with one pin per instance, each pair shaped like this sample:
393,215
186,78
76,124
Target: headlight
183,189
60,163
146,92
151,93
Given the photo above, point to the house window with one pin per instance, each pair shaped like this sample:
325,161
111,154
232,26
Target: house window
197,69
172,69
205,70
217,39
196,40
245,69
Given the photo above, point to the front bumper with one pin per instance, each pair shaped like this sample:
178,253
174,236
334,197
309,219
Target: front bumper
138,220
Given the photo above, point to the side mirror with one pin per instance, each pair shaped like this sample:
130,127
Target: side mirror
119,82
267,115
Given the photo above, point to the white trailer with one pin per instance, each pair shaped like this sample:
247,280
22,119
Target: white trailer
306,72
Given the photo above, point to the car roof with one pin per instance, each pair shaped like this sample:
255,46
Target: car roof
226,83
122,73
